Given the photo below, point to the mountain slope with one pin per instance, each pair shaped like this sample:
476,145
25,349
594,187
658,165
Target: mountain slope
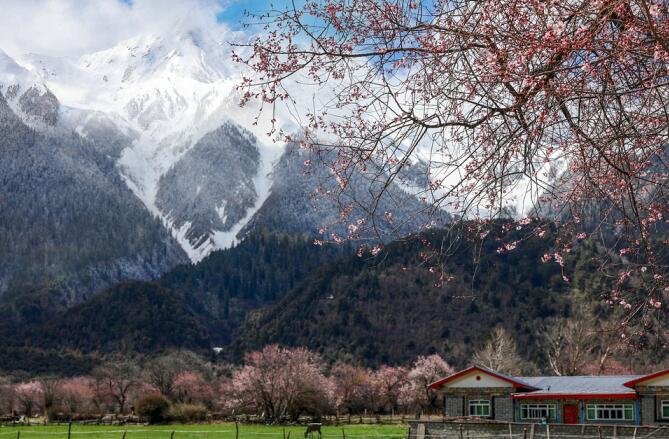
132,316
211,188
280,289
301,201
387,309
67,220
192,306
166,107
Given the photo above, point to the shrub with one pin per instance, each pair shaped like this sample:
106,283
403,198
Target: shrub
188,413
153,408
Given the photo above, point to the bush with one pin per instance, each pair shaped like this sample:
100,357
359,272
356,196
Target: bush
153,408
188,413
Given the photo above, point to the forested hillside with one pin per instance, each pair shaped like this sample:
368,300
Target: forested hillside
387,309
68,222
390,308
193,306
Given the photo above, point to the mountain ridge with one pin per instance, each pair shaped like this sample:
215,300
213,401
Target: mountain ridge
186,156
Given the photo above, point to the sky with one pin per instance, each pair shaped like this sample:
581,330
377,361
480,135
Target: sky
74,27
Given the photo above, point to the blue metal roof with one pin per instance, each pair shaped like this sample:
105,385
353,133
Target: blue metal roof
580,384
520,380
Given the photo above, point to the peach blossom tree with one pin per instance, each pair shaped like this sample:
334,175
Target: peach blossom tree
523,109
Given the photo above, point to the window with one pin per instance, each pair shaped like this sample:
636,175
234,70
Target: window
664,409
610,412
538,411
479,408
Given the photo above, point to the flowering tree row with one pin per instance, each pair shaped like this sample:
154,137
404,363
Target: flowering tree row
275,383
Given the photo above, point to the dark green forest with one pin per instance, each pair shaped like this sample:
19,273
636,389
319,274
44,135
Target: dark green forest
276,288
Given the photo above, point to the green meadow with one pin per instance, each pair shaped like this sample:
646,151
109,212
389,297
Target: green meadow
205,431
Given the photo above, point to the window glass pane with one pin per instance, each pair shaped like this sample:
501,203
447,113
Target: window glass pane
629,413
665,409
591,413
479,408
538,411
610,412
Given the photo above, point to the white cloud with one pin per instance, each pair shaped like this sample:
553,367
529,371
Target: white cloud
73,27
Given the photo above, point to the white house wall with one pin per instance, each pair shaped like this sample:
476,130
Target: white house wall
470,381
661,381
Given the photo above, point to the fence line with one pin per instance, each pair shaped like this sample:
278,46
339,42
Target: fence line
329,420
172,433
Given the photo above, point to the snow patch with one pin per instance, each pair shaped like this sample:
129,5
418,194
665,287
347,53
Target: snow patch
220,210
263,183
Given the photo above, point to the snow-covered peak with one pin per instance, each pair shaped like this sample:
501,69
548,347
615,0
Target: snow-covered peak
26,93
196,54
13,74
164,93
148,78
8,66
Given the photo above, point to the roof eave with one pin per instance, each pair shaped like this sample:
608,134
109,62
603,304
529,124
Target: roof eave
575,396
516,384
651,376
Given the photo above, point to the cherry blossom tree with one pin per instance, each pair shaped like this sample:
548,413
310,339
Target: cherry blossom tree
280,383
50,391
77,395
191,387
163,372
101,397
28,397
355,388
7,396
116,381
424,371
390,382
525,108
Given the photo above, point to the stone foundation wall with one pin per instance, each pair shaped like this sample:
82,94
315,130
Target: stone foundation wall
513,430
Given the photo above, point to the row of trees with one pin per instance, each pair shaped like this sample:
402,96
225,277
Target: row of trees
276,383
281,383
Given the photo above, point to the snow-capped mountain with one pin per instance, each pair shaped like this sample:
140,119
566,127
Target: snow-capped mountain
156,99
164,111
68,222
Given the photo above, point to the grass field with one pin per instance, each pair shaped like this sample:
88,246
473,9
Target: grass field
208,431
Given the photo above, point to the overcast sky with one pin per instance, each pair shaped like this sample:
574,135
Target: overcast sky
72,27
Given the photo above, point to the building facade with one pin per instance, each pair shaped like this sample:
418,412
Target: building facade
626,400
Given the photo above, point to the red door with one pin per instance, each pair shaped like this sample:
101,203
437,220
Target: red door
571,414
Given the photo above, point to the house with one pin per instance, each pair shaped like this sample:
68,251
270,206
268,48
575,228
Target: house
485,393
